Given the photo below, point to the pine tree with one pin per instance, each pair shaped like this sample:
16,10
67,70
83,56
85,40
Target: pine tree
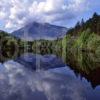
82,22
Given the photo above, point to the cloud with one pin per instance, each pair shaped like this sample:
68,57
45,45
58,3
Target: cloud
17,13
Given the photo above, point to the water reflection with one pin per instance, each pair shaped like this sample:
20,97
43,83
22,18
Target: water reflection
36,61
86,65
19,83
46,77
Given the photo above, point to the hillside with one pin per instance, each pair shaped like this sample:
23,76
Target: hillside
93,24
86,35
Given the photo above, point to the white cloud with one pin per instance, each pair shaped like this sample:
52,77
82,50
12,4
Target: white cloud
2,15
16,13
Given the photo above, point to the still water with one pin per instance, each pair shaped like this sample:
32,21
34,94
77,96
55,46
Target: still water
38,77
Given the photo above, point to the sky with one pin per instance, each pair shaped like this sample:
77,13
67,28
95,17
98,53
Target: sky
15,14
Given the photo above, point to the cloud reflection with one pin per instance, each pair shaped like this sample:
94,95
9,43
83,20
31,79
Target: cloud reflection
19,83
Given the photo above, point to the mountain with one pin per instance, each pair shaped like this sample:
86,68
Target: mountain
36,31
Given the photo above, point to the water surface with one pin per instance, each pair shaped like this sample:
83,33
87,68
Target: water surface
37,77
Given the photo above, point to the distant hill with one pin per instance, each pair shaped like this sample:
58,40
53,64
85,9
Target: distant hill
4,34
36,31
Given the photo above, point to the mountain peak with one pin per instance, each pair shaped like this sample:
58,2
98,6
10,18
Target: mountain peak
36,30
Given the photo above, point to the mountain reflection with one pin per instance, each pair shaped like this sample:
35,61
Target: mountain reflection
36,61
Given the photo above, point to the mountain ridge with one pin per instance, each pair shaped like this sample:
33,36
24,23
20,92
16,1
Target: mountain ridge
36,31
